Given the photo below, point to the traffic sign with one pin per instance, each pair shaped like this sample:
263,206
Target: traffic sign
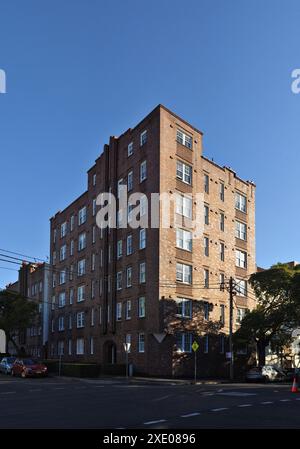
195,346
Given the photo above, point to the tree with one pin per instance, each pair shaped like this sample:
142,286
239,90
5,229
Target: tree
16,314
278,309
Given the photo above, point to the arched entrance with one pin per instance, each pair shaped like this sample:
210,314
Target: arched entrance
110,352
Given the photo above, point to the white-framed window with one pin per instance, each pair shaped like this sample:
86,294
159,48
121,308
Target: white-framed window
184,239
94,234
184,341
222,221
72,248
222,191
184,172
52,326
184,307
141,342
184,206
206,246
81,241
92,316
80,346
128,309
69,346
62,277
94,207
60,347
80,319
206,344
119,280
61,299
130,149
54,257
53,302
143,138
240,258
63,252
222,281
63,229
81,267
93,283
128,341
54,235
94,179
142,273
206,214
120,184
92,345
93,262
240,202
183,273
184,139
81,293
129,248
119,311
129,277
72,222
143,205
61,323
222,251
119,249
130,181
70,320
142,238
143,171
142,307
241,287
71,296
240,230
206,277
206,183
82,216
130,208
240,314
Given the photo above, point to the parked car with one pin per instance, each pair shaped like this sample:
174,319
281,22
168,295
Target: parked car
28,368
6,364
266,373
255,375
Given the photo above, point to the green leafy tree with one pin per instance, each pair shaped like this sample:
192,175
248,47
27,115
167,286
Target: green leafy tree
16,314
278,309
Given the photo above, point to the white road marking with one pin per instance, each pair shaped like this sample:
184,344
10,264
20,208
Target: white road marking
154,422
190,414
219,409
284,400
161,398
297,399
267,402
245,405
236,393
8,392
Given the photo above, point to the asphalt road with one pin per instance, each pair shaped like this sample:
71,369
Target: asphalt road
111,404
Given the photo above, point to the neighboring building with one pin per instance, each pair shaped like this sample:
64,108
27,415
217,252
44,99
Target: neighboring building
156,288
34,284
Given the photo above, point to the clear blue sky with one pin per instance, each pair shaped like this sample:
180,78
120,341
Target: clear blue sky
79,71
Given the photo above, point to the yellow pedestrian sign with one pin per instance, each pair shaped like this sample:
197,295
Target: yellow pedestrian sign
195,346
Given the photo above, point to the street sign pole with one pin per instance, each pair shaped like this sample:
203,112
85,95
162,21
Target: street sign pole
195,348
195,352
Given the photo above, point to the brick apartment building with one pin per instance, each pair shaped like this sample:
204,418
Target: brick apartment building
156,288
34,284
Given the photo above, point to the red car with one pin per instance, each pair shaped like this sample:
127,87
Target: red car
28,368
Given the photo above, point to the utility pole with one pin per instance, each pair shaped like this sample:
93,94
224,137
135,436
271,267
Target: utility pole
231,292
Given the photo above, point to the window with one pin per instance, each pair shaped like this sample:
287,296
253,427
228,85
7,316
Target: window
63,229
93,283
206,344
94,207
119,249
128,341
222,221
129,245
143,171
62,277
81,267
53,303
60,347
142,238
72,248
52,325
222,314
120,183
241,287
222,281
143,138
81,241
240,202
119,311
119,280
92,345
206,214
240,314
142,307
222,344
54,257
206,183
222,191
94,234
70,321
81,293
142,273
72,222
206,311
240,259
82,216
63,252
69,347
62,299
206,246
130,181
184,139
184,342
80,319
61,323
206,278
184,273
222,251
184,308
184,206
240,230
54,235
141,341
94,179
129,277
130,208
71,296
80,346
130,149
184,239
93,262
143,205
184,172
128,309
92,317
